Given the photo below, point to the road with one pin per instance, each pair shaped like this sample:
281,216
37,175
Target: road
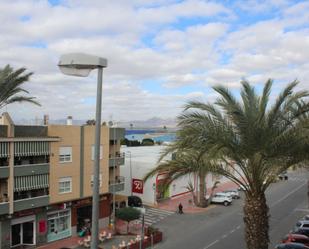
222,227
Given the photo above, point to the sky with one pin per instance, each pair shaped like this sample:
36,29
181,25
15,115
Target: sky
161,53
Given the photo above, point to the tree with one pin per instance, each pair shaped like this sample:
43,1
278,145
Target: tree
90,122
128,214
147,142
251,142
11,82
186,162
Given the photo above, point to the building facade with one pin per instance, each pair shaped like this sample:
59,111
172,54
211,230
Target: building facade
142,159
46,180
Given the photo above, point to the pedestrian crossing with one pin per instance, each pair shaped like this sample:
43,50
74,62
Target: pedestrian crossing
297,179
154,215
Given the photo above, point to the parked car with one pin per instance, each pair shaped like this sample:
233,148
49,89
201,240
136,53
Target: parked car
291,246
297,238
302,224
222,198
226,194
135,201
283,176
301,230
233,192
242,188
306,217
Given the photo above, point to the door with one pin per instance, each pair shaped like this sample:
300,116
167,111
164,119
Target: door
16,234
28,233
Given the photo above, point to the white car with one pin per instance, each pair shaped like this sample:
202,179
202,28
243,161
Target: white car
233,192
222,198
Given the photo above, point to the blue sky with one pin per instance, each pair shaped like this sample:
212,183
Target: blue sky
161,53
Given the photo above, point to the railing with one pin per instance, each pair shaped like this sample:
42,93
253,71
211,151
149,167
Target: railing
4,172
31,169
117,184
116,133
23,204
117,159
4,208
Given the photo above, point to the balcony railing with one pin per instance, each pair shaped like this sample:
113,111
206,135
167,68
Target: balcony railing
4,208
116,133
31,169
30,203
117,184
4,172
117,159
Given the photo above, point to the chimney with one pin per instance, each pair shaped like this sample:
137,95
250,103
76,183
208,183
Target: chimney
69,120
45,119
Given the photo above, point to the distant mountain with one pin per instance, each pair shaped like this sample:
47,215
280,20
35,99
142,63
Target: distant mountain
150,123
153,123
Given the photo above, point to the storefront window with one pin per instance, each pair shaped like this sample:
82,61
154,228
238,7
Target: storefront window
59,225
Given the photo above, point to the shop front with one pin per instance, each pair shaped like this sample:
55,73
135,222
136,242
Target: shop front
59,224
82,214
23,231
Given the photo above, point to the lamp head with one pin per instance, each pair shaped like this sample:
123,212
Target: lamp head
79,64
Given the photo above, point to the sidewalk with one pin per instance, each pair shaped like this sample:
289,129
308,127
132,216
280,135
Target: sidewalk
72,242
187,200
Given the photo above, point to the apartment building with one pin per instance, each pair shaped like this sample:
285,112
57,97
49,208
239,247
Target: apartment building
46,180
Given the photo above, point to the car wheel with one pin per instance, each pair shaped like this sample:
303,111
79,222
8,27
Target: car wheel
285,178
225,203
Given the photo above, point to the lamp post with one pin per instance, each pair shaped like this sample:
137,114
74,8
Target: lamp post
79,64
130,154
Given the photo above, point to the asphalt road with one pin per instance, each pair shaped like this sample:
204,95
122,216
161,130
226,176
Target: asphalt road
222,227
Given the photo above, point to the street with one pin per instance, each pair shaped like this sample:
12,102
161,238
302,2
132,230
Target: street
222,227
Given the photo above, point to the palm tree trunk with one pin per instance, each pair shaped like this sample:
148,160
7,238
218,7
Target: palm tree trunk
202,187
256,221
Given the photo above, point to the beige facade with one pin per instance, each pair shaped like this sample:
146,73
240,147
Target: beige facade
81,140
88,159
46,172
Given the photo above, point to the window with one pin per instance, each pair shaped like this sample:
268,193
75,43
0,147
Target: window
65,154
100,180
92,152
59,225
65,185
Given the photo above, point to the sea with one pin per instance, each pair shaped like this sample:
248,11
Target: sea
155,135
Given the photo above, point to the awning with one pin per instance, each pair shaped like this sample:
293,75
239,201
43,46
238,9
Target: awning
31,148
24,183
4,149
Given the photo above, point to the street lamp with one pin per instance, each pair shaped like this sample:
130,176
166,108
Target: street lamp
130,154
79,64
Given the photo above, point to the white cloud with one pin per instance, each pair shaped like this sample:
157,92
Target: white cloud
179,43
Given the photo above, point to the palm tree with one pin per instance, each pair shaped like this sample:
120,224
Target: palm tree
251,142
185,163
10,86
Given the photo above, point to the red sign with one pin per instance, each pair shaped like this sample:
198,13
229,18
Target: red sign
42,226
137,186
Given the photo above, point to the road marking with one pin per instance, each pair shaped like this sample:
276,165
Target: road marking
287,195
211,244
301,209
274,204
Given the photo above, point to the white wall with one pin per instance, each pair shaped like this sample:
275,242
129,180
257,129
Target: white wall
143,159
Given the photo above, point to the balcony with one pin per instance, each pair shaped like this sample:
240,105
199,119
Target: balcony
116,160
30,203
117,185
4,208
31,169
116,133
4,172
